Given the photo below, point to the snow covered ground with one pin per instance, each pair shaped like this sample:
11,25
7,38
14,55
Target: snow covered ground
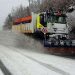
1,73
23,62
19,64
22,55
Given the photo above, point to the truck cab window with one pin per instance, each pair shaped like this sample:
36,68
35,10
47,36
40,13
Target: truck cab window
43,20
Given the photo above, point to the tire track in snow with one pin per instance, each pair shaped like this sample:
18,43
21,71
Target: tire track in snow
48,66
4,69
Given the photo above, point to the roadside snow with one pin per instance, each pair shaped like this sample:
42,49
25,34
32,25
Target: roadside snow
23,62
19,64
64,64
1,73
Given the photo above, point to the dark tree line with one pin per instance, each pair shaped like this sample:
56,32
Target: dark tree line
56,4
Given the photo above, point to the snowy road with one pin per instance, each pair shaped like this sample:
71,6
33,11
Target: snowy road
1,73
22,55
23,62
3,69
19,64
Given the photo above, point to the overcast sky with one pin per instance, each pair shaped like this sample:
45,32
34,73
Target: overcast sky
6,7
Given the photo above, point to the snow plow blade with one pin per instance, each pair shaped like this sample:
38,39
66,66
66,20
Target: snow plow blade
61,43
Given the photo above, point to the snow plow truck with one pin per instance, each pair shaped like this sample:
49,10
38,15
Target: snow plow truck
53,26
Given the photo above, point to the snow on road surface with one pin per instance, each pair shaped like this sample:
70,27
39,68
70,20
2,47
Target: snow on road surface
19,64
62,65
1,73
23,55
23,62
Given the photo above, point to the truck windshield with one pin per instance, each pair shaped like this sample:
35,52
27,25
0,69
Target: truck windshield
57,19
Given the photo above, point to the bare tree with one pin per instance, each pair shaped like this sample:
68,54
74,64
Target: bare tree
56,4
8,22
20,12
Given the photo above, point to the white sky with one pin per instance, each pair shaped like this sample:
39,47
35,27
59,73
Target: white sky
6,7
